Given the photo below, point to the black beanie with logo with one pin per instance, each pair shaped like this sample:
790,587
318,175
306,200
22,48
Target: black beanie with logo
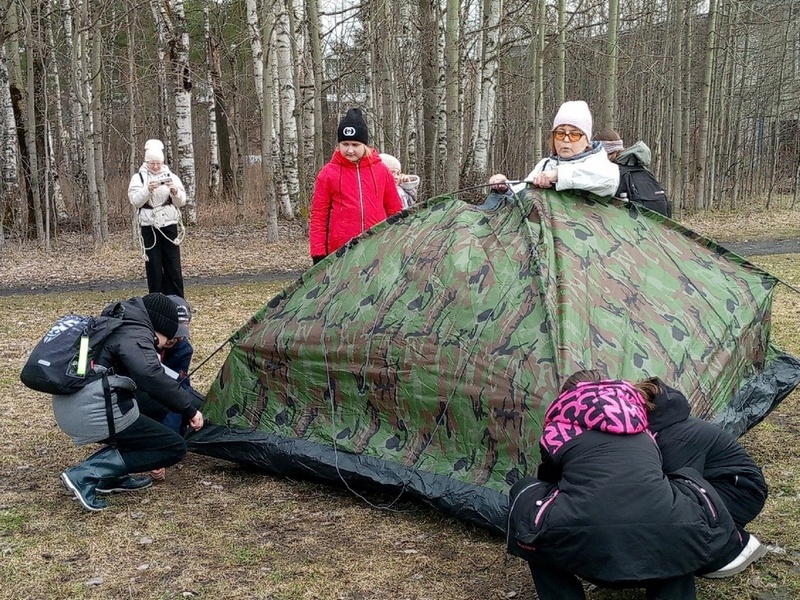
353,128
163,314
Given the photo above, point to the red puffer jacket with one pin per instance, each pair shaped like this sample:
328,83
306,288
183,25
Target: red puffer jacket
350,198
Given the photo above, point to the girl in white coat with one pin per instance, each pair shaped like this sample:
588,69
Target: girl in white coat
157,193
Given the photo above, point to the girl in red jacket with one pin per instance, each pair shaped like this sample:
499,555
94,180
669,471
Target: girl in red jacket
353,192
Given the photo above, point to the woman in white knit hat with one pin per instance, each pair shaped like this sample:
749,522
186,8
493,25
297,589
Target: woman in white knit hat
157,193
576,163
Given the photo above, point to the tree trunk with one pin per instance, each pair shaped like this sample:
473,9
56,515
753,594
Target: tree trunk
284,62
312,14
485,104
9,186
702,158
561,61
429,56
184,130
609,113
453,116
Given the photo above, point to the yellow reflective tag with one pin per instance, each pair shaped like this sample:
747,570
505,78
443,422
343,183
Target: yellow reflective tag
83,356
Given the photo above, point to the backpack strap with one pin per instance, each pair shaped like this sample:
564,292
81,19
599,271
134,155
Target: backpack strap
112,431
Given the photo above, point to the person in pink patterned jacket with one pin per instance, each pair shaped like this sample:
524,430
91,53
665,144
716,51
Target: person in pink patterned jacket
601,507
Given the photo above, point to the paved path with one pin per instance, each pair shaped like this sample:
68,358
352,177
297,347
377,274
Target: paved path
746,248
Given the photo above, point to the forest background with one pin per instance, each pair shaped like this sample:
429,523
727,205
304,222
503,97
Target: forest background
247,93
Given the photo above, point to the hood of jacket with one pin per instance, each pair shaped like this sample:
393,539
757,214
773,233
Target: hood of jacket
608,406
638,154
671,407
130,311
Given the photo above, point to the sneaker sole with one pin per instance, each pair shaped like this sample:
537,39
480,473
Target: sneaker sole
757,553
121,489
71,487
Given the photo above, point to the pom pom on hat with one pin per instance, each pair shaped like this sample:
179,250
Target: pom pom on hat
575,113
391,162
163,314
154,151
353,128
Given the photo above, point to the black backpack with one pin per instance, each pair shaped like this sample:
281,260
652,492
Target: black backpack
641,187
62,361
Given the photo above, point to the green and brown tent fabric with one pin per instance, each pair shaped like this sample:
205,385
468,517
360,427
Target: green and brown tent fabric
421,357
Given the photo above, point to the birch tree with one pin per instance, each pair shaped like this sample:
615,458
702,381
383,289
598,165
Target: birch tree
184,134
485,105
453,117
429,55
287,101
213,139
10,186
702,158
265,123
609,112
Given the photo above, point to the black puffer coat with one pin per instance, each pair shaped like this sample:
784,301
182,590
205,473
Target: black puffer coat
131,351
608,513
687,441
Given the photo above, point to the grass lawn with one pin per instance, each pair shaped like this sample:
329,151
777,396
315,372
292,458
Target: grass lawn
217,530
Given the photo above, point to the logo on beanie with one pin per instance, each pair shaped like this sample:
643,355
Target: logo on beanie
349,131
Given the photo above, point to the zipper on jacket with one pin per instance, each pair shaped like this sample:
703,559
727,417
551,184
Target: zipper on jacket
543,507
360,193
704,494
513,504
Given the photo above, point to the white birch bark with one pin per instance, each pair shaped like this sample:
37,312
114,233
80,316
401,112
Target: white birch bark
492,9
453,114
163,27
9,189
54,167
315,44
184,132
76,148
281,189
257,52
81,66
211,104
287,101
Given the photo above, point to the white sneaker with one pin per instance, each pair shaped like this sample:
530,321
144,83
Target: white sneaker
749,554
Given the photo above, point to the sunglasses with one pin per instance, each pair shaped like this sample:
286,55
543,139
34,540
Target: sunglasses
573,136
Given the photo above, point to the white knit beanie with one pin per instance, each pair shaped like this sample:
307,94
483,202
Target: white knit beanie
575,113
390,161
154,151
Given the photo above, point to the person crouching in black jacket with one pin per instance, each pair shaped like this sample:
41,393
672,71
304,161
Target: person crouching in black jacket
132,442
687,441
601,507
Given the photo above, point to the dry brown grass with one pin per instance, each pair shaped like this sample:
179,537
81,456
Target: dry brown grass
217,530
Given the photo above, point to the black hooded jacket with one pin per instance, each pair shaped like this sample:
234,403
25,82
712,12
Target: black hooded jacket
609,514
687,441
131,351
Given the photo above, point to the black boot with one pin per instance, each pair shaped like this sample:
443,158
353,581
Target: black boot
82,479
126,483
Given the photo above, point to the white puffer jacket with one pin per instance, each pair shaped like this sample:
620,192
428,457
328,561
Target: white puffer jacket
158,208
590,171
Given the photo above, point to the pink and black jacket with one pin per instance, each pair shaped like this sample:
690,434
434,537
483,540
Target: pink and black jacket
601,506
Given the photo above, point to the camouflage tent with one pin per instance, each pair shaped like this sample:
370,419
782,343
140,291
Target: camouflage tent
422,356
